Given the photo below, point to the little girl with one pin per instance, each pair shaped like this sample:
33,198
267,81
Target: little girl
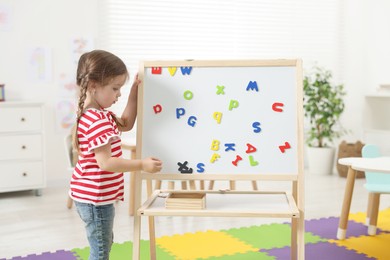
97,180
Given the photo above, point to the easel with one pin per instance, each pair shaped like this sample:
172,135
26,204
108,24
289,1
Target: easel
275,204
290,209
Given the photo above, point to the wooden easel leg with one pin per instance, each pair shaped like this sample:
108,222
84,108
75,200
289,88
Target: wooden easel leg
132,184
137,218
294,238
137,237
152,234
152,238
301,236
131,194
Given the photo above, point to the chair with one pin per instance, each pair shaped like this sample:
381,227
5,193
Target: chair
71,159
376,184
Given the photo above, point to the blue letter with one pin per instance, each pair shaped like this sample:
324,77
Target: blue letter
186,70
252,86
256,126
200,167
230,147
180,112
192,121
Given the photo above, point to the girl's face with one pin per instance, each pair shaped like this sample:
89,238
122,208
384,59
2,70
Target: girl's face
107,95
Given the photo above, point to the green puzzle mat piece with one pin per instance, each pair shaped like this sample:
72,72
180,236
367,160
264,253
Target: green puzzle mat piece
124,251
268,236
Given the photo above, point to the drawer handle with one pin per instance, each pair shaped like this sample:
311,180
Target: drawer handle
24,174
24,147
23,119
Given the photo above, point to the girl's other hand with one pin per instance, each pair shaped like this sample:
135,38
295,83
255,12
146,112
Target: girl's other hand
151,165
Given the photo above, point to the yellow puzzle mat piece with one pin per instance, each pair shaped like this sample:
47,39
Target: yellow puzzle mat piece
372,246
183,246
383,218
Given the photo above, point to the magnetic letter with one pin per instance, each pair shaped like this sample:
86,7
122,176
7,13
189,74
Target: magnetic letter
200,167
256,127
284,147
235,162
251,148
157,108
156,70
252,85
215,145
172,70
185,70
220,90
188,95
191,121
277,107
233,104
252,161
183,168
214,157
217,116
230,147
180,112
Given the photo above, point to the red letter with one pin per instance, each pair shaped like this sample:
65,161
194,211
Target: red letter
157,108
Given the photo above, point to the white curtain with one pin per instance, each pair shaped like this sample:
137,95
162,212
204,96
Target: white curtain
222,29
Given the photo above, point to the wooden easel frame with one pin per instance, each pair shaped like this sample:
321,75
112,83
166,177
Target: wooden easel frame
295,201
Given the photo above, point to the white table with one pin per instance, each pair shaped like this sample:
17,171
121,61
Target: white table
379,164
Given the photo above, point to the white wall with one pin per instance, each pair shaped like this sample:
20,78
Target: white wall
54,24
367,56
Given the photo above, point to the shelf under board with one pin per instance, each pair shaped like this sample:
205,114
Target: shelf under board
228,204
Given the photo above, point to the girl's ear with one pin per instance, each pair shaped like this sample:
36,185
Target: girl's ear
91,87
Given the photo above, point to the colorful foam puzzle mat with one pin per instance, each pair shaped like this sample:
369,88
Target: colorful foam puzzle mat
264,242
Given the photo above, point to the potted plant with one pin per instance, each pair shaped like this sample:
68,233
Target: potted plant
323,105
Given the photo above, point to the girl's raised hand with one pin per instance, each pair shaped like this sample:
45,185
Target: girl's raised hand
151,165
136,81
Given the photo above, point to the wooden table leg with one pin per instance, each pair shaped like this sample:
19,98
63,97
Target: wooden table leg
373,214
343,224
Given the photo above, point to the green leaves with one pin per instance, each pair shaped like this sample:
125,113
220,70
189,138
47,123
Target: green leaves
323,105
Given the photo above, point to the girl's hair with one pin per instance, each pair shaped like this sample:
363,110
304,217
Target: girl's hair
96,66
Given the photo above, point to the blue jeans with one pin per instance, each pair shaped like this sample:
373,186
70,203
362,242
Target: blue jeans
99,223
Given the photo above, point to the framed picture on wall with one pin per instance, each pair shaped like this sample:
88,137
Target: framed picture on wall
2,96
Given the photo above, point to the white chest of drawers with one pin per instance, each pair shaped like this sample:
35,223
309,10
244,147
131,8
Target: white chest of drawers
22,149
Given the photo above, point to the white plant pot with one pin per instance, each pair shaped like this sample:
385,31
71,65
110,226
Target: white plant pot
321,160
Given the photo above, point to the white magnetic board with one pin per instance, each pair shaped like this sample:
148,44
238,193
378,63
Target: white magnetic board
221,117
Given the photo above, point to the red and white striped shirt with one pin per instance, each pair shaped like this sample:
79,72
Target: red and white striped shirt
89,183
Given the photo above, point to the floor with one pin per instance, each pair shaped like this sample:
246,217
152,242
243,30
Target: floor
31,224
